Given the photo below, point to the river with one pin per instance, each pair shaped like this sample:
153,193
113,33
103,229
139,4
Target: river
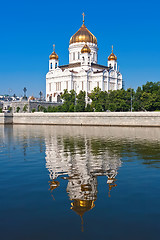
63,182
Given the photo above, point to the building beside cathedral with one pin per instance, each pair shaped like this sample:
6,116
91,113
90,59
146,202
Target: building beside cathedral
83,71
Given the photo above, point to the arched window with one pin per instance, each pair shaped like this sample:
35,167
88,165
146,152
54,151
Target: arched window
51,65
74,56
78,55
56,65
93,56
59,98
50,99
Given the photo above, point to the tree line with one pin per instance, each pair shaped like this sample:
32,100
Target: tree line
145,98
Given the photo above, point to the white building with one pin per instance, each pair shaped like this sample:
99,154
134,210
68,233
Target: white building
83,71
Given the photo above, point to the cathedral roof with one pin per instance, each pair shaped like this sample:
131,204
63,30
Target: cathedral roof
78,64
83,35
102,67
112,56
71,65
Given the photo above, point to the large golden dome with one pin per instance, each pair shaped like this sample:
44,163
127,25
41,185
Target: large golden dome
83,35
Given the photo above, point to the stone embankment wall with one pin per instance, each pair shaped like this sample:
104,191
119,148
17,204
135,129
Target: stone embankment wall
139,119
6,118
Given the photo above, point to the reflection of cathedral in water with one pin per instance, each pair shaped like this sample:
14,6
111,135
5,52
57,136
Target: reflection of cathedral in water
80,161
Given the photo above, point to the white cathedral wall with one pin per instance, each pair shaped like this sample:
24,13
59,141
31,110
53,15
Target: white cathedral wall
75,49
56,83
58,80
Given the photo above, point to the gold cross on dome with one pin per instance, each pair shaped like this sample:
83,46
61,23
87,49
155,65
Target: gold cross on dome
54,47
83,17
112,48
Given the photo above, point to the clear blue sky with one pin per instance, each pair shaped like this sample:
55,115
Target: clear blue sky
28,30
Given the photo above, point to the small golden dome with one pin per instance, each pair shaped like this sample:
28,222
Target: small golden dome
85,49
32,98
83,35
112,56
53,55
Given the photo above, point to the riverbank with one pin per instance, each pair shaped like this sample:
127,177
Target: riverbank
134,119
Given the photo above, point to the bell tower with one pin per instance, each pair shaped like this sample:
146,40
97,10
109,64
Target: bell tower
112,60
54,61
86,56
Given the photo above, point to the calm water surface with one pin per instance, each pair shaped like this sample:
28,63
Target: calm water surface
79,183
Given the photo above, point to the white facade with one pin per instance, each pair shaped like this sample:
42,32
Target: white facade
83,72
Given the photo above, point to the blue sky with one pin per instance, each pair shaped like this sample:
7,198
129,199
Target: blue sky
28,29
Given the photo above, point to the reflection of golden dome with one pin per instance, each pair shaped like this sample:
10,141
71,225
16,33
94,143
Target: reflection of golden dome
112,56
85,49
111,184
82,206
53,55
53,185
83,35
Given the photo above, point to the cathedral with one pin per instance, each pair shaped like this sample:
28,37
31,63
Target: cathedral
83,71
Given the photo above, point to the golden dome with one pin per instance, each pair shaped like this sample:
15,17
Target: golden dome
112,56
85,49
53,55
83,35
82,206
32,98
111,183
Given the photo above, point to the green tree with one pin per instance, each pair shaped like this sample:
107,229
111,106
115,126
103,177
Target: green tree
41,109
69,101
120,100
25,108
17,109
99,100
80,102
147,98
89,108
10,109
151,87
